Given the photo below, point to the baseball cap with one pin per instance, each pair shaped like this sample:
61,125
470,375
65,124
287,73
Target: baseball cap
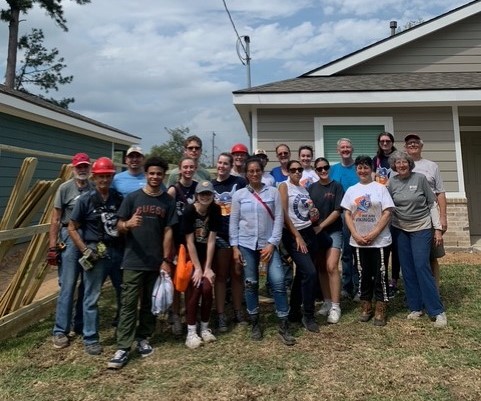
260,152
80,158
135,149
412,136
204,186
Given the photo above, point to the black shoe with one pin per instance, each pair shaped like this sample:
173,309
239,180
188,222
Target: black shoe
310,324
256,333
119,360
294,316
284,334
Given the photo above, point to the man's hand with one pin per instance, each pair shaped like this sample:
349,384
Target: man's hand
53,256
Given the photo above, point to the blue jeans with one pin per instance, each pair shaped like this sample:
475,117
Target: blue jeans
69,273
414,250
350,275
275,276
93,281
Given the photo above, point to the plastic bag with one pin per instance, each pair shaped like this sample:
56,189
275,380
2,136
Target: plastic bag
163,294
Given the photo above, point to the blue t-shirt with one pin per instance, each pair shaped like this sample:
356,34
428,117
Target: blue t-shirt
278,175
125,183
344,175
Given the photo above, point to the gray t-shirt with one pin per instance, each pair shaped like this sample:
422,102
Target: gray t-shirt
431,171
66,198
413,199
201,174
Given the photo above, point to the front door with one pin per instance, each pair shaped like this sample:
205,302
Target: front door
471,150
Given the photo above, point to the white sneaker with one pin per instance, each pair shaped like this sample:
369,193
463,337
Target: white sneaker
193,341
415,315
324,309
334,316
441,320
207,336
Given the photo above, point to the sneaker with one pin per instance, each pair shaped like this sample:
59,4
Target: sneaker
119,359
60,341
239,318
325,309
415,315
144,348
193,341
441,320
176,325
207,336
93,349
334,316
222,323
310,324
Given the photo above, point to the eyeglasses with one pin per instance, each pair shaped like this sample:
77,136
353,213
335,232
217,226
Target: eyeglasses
412,143
193,147
296,170
323,168
283,154
385,141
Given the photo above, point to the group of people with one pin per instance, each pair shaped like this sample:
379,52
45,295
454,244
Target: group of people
130,225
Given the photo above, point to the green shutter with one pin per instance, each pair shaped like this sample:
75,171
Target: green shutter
363,138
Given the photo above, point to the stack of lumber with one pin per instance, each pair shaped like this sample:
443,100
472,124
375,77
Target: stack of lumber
24,204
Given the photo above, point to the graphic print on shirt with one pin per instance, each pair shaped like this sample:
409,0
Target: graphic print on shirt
224,200
108,216
363,204
301,205
201,232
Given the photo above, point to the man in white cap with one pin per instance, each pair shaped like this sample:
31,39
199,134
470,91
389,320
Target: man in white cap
267,177
414,147
133,178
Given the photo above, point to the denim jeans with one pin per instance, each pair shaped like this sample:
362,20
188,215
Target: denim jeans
414,250
350,275
304,286
93,281
69,273
275,276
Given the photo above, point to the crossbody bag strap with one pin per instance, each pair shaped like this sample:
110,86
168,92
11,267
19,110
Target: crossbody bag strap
263,203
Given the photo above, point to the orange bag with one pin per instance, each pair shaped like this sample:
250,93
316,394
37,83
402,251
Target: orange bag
183,271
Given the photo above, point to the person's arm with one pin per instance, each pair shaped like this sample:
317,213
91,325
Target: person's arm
208,272
300,243
352,228
53,252
73,227
197,276
441,197
167,245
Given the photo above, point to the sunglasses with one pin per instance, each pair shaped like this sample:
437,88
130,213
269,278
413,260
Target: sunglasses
283,154
385,141
323,168
296,170
193,147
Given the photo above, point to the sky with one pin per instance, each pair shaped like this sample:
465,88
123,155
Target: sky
144,65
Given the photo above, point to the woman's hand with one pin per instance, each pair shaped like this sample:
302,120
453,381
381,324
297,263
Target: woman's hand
301,244
197,277
359,239
237,256
209,275
266,253
438,237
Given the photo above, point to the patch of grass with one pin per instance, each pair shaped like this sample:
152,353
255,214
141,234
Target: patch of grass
405,360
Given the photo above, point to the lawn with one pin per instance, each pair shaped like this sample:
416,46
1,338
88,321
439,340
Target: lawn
405,360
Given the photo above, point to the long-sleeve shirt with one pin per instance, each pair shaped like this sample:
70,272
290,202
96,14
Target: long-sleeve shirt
251,225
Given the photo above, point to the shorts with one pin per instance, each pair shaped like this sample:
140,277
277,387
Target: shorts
336,237
221,243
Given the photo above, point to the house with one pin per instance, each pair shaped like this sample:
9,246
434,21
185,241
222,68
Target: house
30,126
426,79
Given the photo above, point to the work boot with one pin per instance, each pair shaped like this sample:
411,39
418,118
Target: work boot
380,314
256,333
366,311
284,334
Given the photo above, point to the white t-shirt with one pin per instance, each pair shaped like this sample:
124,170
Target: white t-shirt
366,202
299,203
308,178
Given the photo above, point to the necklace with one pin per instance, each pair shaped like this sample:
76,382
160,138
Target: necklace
151,193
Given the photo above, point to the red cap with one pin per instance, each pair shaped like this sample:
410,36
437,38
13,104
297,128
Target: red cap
80,158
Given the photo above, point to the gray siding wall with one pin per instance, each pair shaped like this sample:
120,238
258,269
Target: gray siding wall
295,127
456,48
15,131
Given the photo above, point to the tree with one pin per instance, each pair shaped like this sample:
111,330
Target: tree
41,68
172,150
12,16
